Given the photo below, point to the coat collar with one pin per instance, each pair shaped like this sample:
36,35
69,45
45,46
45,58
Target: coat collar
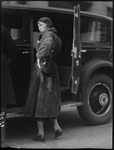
50,29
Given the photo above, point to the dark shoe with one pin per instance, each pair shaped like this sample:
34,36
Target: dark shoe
58,133
39,138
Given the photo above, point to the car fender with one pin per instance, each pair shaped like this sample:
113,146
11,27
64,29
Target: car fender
90,68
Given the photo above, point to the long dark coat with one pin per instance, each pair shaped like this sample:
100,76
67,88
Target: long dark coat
8,48
44,100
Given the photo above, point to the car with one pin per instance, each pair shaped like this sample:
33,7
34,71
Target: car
85,63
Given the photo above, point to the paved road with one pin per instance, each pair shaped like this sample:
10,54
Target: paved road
76,133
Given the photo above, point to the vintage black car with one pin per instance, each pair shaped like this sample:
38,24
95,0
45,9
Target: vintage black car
84,63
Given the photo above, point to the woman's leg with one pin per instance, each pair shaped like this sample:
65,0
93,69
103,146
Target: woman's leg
40,125
40,135
56,124
57,128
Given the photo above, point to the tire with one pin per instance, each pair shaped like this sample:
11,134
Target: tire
97,100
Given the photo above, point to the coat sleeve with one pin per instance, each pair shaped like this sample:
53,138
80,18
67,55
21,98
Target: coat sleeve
45,47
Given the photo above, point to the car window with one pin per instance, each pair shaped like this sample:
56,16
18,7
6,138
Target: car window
93,31
18,26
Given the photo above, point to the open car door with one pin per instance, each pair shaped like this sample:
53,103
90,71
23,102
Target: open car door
76,51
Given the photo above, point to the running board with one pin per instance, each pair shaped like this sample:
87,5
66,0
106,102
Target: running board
15,112
70,104
19,112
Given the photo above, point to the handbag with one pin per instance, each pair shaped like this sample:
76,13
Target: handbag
46,66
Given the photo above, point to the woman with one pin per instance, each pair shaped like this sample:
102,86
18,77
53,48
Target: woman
44,100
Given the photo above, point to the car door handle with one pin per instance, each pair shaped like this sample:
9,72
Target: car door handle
25,52
83,50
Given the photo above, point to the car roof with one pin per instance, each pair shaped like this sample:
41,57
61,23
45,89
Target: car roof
50,9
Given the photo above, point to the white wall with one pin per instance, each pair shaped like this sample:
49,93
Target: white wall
37,3
100,7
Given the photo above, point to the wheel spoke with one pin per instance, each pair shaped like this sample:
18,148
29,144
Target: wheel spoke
99,99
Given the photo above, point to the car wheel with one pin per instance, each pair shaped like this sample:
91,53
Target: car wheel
97,100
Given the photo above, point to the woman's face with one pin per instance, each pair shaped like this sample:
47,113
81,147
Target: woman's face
42,26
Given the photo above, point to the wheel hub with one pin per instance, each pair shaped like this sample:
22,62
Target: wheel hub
103,99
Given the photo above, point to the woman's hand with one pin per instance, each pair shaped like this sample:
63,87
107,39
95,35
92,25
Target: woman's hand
38,62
